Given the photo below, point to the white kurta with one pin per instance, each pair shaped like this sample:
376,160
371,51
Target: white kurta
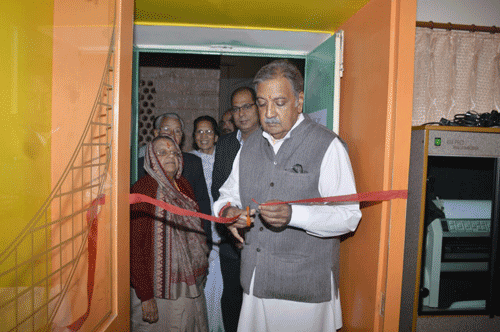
336,178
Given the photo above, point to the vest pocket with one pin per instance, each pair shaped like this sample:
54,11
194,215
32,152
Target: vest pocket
293,277
299,184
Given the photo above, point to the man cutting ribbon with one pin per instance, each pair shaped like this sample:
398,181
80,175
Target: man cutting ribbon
290,255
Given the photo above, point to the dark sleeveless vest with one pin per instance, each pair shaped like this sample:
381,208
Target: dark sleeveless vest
290,264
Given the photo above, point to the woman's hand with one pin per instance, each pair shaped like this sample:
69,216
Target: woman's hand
150,311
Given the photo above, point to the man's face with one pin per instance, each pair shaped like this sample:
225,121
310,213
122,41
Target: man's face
278,106
246,117
171,127
227,125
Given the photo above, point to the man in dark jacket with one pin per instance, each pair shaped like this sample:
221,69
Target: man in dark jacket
246,118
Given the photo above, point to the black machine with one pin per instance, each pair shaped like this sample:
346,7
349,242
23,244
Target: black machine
452,261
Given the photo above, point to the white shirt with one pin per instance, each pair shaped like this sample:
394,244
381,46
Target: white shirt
239,138
336,178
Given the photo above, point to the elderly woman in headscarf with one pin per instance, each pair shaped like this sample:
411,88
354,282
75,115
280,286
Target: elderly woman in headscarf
168,252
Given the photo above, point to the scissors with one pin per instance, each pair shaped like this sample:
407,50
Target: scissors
248,217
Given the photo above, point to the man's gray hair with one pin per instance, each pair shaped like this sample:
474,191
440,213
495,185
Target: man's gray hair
163,116
281,68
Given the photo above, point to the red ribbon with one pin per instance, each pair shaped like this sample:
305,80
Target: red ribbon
93,213
139,198
361,197
92,221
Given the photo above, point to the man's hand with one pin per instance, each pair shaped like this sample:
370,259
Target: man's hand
276,215
241,222
150,311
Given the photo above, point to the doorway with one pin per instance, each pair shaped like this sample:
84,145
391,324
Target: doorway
236,55
190,85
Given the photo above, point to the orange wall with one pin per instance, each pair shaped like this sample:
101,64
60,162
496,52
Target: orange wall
403,19
82,37
81,43
120,320
82,33
375,120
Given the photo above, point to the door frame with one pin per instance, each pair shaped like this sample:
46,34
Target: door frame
234,48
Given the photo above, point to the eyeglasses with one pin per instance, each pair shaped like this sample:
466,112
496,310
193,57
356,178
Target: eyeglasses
209,132
163,153
176,131
244,107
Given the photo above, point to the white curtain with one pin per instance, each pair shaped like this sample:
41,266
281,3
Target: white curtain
455,72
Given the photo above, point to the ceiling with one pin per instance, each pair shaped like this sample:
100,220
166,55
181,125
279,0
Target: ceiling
311,15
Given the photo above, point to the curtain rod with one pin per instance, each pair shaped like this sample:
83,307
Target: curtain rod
450,26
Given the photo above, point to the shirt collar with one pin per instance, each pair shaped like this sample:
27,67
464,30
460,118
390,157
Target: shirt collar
238,137
274,141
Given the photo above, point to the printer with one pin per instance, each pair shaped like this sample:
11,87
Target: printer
457,256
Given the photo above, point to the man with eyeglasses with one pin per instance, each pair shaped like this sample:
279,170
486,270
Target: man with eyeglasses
172,125
246,118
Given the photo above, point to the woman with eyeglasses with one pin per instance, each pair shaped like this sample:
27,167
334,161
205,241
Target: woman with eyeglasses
168,252
205,136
